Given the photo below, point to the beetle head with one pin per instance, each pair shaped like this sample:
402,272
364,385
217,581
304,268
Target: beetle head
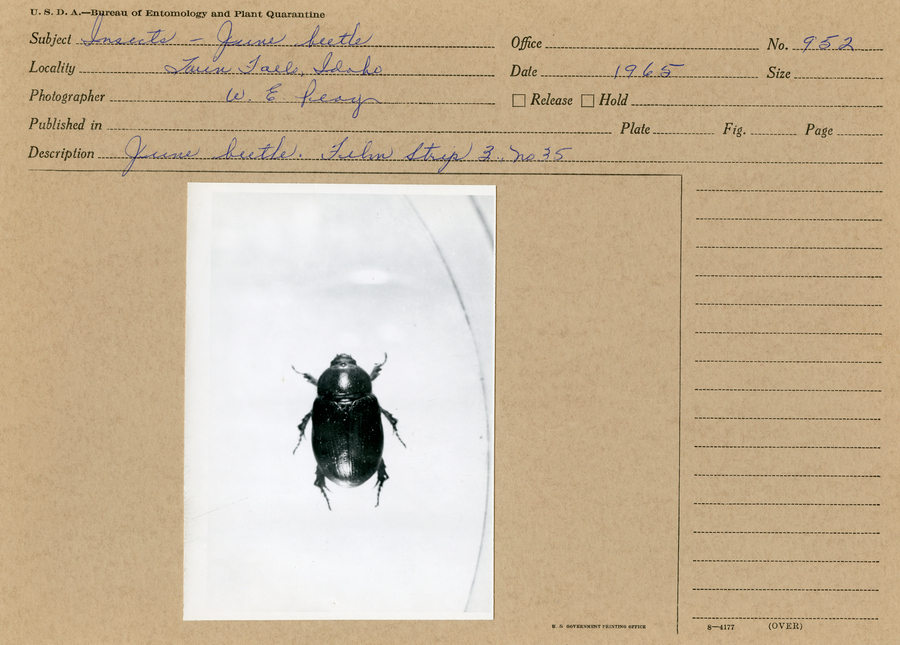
343,360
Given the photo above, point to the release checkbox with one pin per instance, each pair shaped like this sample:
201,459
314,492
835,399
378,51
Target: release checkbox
587,100
518,100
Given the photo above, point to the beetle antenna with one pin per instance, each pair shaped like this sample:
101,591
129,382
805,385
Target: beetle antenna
377,369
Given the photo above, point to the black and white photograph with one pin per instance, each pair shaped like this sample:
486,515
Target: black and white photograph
339,402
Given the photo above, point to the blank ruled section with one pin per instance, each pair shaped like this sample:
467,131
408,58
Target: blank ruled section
784,424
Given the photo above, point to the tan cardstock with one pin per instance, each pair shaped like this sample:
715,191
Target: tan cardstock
686,213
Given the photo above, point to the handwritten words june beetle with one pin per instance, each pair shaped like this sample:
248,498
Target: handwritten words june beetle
347,435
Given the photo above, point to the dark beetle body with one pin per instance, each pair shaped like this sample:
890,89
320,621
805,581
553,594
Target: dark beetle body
347,438
347,435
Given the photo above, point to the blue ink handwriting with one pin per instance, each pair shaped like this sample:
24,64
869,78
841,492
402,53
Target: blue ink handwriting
289,68
224,37
350,39
233,96
631,69
520,156
331,68
335,152
427,153
156,37
237,96
134,150
825,43
343,150
190,68
264,153
308,97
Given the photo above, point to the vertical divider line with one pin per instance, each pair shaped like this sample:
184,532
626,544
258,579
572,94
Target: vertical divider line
680,341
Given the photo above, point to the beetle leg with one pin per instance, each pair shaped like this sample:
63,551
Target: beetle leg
390,417
377,369
302,428
320,482
308,377
382,477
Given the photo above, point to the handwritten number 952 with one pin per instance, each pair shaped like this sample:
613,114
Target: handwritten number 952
629,70
825,43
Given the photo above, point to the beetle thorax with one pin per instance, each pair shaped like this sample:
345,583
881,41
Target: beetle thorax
344,380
